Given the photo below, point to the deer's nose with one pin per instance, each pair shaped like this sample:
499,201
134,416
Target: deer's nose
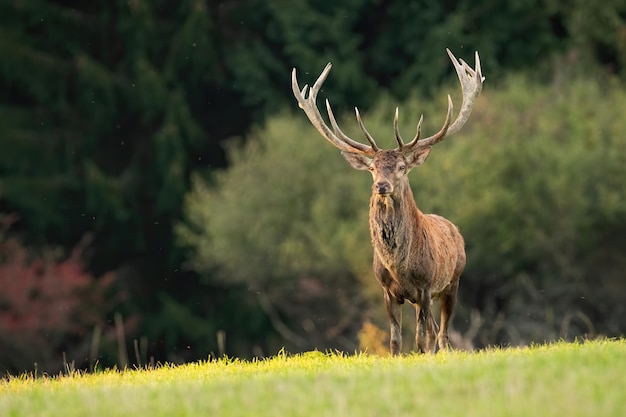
383,187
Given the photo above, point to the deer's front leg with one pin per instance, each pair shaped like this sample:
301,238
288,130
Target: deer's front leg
425,333
394,311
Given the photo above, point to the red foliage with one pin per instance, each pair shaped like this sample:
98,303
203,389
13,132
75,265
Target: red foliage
45,299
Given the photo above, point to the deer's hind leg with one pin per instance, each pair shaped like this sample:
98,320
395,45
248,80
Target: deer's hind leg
447,302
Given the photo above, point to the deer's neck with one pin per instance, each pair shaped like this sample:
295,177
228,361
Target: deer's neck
394,221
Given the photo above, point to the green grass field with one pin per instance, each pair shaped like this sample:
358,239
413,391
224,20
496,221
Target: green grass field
562,379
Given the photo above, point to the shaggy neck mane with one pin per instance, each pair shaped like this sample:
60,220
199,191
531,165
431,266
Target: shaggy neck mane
393,218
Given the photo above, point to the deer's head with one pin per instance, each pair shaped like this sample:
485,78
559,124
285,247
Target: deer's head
389,168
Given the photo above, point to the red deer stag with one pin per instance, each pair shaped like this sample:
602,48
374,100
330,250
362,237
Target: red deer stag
417,257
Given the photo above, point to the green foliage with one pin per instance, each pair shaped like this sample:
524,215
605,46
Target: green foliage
534,183
285,173
597,32
284,221
562,379
101,128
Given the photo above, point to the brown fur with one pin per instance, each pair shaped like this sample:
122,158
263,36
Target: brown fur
417,257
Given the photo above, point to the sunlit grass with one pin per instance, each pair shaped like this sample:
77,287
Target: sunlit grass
564,379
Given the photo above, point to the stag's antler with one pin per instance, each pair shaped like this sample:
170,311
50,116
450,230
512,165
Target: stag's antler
471,84
337,138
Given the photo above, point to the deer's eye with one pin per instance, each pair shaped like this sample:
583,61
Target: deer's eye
370,169
401,168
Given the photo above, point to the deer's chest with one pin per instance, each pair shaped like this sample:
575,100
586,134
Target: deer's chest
392,246
387,237
397,250
387,240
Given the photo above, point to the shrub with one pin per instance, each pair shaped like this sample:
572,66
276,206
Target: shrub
536,184
288,221
48,305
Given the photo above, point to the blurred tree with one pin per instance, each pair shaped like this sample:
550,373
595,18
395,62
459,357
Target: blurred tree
596,33
284,228
533,184
103,120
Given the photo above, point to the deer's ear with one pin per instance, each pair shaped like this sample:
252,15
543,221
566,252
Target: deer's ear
418,157
357,160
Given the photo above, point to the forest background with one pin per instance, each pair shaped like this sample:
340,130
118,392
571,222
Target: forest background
162,198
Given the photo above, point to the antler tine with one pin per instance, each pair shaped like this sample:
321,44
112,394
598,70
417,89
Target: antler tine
334,124
308,104
437,137
417,133
471,85
367,135
471,80
397,132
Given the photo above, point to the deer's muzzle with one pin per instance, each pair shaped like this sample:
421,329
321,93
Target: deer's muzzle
383,187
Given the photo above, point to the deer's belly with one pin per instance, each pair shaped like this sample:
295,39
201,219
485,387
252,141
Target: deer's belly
408,284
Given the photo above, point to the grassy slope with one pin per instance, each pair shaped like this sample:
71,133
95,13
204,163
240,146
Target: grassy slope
554,380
